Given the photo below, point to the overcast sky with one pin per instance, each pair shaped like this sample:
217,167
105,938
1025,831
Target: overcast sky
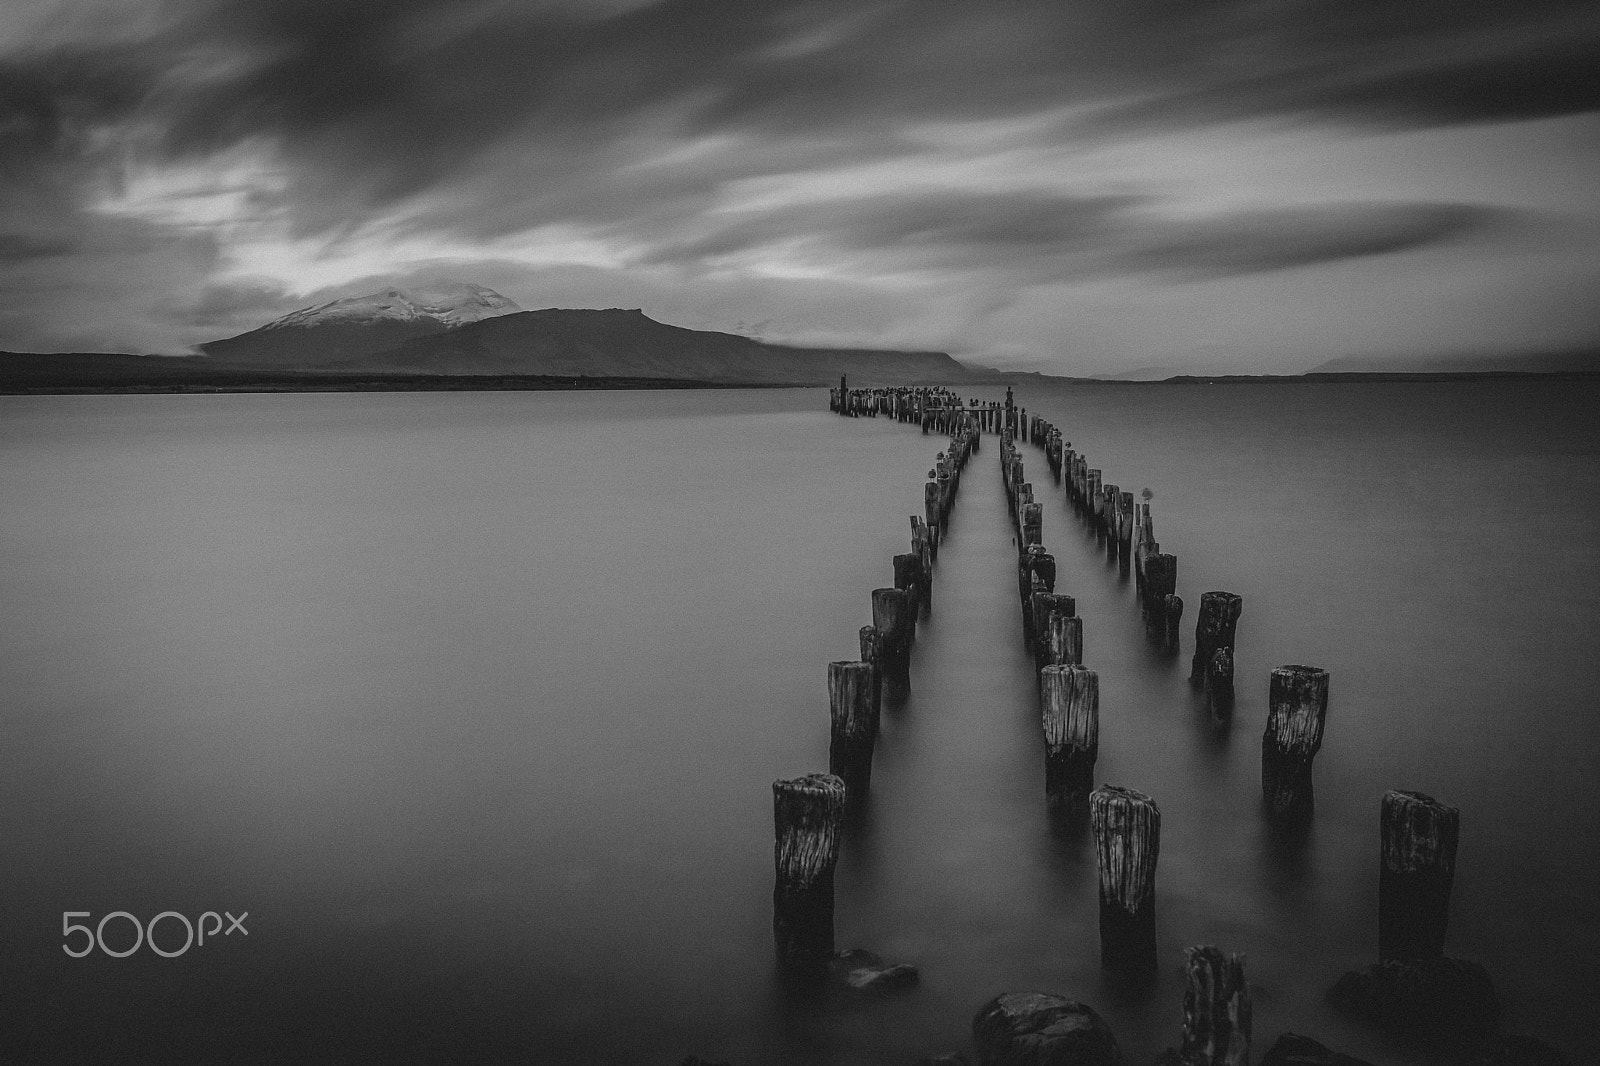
1075,186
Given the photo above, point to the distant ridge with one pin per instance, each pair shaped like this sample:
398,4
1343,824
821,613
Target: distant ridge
463,329
360,325
626,342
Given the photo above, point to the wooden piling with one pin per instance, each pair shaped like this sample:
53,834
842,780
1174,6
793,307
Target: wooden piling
894,617
1297,707
872,654
1219,683
1069,707
1160,582
1172,615
1032,523
1214,628
1044,604
854,725
1419,866
1216,1010
1160,578
807,815
1127,834
910,577
1063,640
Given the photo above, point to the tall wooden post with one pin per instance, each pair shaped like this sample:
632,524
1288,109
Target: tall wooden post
872,654
909,576
1219,682
1069,706
895,619
1297,707
1214,627
1419,867
1063,640
1216,1010
807,813
854,725
1127,835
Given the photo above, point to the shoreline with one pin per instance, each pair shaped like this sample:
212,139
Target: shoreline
70,384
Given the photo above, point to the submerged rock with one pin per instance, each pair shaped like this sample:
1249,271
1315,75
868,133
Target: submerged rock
1442,1001
1042,1029
858,972
1292,1049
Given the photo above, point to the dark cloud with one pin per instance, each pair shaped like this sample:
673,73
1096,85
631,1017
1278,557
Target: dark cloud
1034,237
1258,241
378,100
24,246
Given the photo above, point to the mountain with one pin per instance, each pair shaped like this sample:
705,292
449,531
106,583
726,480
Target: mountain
626,343
359,325
461,329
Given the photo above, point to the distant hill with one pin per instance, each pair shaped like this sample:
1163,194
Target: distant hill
616,342
360,325
461,329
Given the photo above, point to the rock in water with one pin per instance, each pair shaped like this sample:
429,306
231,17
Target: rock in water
1295,1050
1444,1001
861,973
1042,1029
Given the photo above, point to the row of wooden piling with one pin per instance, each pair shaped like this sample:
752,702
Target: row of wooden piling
1126,823
809,811
1418,834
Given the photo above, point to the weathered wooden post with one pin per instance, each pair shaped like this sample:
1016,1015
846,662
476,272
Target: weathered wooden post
1172,613
1219,682
1032,523
1216,1010
1044,604
1297,707
1127,836
1069,705
1160,576
1033,562
930,507
1214,628
854,726
872,654
1063,640
1160,581
922,543
894,617
909,576
1419,867
1125,522
807,813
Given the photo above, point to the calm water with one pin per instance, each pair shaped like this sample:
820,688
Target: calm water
473,702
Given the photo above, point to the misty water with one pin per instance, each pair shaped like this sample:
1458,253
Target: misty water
474,702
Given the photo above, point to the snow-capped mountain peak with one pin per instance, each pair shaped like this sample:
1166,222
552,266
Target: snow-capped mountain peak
452,305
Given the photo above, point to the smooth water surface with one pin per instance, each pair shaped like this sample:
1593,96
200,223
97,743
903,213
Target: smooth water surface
474,701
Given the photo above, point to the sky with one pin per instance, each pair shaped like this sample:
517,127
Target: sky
1071,186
